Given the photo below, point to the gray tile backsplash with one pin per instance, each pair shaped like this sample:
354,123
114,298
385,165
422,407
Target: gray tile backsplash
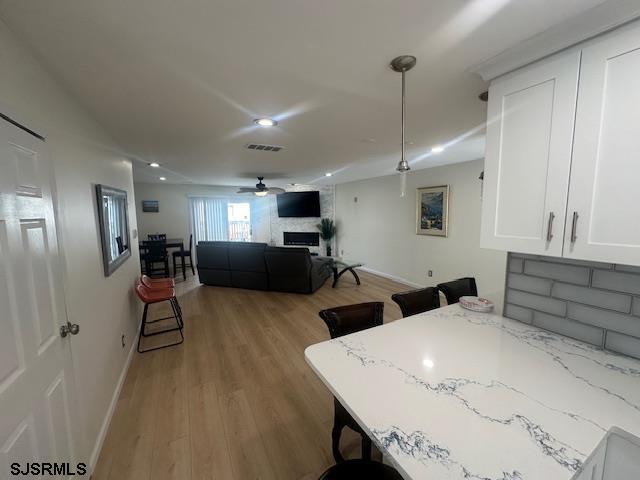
618,281
598,303
537,302
560,272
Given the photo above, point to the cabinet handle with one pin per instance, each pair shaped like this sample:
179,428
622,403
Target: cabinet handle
574,225
550,226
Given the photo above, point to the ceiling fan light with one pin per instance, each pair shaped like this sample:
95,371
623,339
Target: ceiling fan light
265,122
261,194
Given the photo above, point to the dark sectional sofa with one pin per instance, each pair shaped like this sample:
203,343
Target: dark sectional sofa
261,267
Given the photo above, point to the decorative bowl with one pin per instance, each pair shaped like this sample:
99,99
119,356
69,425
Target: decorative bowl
476,304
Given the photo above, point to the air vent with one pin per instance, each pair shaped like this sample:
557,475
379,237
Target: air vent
264,148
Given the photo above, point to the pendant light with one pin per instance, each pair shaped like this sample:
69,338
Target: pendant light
403,64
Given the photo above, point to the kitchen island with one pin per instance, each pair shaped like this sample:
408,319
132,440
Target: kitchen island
454,394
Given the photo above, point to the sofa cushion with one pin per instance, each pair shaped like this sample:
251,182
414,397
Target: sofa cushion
213,255
289,269
247,257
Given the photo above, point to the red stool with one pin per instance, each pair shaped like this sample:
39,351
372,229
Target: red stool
162,284
157,295
157,282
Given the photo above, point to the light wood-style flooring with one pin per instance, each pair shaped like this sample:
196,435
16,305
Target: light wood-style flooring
235,401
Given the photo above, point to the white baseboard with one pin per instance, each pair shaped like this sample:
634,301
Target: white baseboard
95,454
392,277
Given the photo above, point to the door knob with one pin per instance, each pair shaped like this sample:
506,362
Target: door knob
69,328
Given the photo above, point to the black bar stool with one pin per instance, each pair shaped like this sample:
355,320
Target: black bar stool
459,288
364,469
343,321
417,301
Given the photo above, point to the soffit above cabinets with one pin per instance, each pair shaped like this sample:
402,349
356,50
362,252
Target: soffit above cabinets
595,21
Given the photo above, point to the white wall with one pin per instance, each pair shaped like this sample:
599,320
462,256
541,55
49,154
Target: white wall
173,217
83,155
380,229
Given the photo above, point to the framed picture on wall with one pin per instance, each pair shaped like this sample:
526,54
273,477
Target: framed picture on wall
150,206
432,210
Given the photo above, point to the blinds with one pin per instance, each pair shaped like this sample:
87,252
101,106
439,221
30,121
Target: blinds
209,218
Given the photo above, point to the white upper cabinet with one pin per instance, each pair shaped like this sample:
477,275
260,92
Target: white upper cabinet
529,137
562,165
603,215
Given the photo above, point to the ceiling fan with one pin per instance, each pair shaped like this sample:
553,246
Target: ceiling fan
261,189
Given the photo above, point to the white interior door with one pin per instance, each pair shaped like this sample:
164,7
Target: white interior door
604,200
37,391
528,156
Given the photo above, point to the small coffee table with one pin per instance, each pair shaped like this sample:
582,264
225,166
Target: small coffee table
344,265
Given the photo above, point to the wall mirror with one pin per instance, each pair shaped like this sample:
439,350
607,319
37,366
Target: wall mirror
113,218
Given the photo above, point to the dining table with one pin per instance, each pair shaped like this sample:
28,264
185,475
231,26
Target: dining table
457,394
172,243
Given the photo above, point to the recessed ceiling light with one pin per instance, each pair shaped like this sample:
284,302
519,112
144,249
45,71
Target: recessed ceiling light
265,122
328,174
437,149
163,178
154,164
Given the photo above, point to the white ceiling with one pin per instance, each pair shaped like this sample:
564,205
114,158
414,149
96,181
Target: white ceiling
179,82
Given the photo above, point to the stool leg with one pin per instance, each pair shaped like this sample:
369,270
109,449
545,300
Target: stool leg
144,324
366,448
177,328
178,308
336,431
176,312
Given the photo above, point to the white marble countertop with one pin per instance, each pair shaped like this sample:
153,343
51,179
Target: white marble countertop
453,394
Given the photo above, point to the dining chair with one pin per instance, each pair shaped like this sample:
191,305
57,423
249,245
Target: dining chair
143,256
343,321
120,244
156,253
458,288
368,469
187,254
157,236
417,301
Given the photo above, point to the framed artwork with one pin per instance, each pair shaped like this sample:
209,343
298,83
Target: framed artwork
432,210
150,206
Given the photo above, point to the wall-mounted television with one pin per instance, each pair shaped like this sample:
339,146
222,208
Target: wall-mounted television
299,204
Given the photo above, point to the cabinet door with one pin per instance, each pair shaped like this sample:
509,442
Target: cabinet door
603,215
528,156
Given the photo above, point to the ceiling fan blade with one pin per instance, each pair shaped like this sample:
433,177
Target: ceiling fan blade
247,190
276,190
